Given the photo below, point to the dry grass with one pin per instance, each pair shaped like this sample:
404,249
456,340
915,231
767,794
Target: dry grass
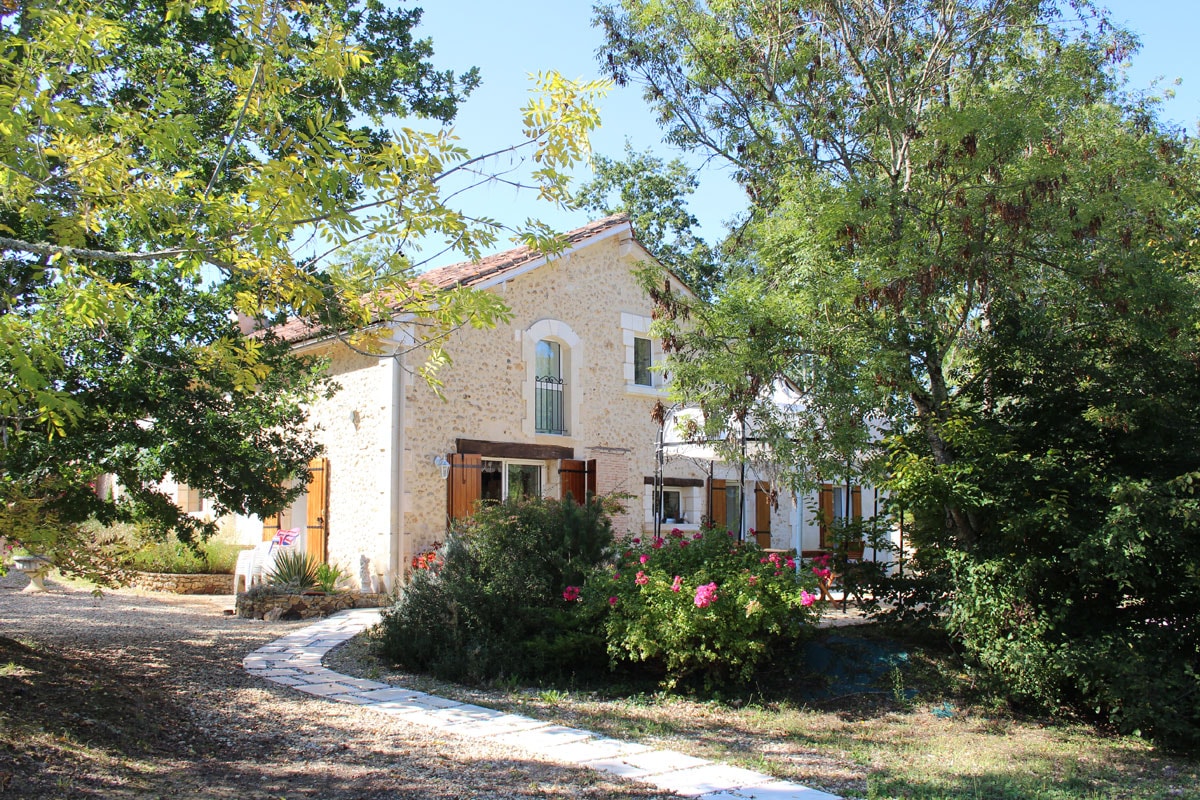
908,735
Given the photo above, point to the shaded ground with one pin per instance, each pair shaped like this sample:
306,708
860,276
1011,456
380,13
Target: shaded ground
130,695
859,714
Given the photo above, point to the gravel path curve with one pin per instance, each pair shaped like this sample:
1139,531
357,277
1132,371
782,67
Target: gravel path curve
213,731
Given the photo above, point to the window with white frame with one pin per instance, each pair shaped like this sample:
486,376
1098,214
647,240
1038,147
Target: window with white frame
502,479
642,353
642,361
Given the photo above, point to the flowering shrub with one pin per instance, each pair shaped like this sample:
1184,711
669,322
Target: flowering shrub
501,597
702,606
427,559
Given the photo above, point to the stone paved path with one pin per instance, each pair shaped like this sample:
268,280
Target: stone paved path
295,660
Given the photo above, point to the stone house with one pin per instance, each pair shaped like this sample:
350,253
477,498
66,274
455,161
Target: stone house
559,399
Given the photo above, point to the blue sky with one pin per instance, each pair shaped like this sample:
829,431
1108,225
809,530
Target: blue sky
510,40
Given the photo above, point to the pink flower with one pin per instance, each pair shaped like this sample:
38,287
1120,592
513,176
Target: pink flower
752,580
643,558
683,543
677,584
637,541
791,563
807,599
658,543
705,595
612,601
697,536
616,576
571,594
762,561
677,533
641,579
822,572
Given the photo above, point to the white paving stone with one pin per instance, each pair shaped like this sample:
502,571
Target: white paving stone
390,693
704,778
295,660
594,749
771,790
543,738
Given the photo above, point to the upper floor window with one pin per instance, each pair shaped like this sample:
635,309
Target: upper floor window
642,360
641,355
549,389
553,356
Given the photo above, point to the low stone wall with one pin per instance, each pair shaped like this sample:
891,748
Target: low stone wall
200,583
303,606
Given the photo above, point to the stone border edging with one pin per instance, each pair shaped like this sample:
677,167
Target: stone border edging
295,660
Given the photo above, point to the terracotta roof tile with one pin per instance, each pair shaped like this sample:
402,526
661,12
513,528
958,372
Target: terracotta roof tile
472,273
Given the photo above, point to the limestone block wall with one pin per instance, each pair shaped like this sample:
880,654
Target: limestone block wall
357,429
488,387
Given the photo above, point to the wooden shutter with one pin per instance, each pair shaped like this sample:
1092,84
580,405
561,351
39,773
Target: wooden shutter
716,503
271,527
762,513
316,542
825,512
464,485
572,476
189,498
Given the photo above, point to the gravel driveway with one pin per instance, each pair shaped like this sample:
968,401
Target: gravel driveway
136,695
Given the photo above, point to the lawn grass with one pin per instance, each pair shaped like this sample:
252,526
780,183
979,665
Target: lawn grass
916,730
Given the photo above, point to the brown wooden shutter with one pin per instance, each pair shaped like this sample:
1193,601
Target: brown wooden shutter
464,484
762,513
572,477
716,503
317,540
577,478
825,512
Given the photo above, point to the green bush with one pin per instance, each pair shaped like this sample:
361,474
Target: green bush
176,557
491,604
295,571
701,606
328,577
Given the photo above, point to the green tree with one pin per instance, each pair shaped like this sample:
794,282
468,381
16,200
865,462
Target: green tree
164,160
942,190
654,194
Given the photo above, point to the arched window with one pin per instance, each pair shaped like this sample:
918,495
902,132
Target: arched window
549,395
553,353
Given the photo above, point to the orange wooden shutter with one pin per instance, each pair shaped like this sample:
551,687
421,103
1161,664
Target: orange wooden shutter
716,502
591,476
317,540
270,527
825,512
464,484
762,513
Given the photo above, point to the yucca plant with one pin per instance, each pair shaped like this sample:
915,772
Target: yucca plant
295,571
